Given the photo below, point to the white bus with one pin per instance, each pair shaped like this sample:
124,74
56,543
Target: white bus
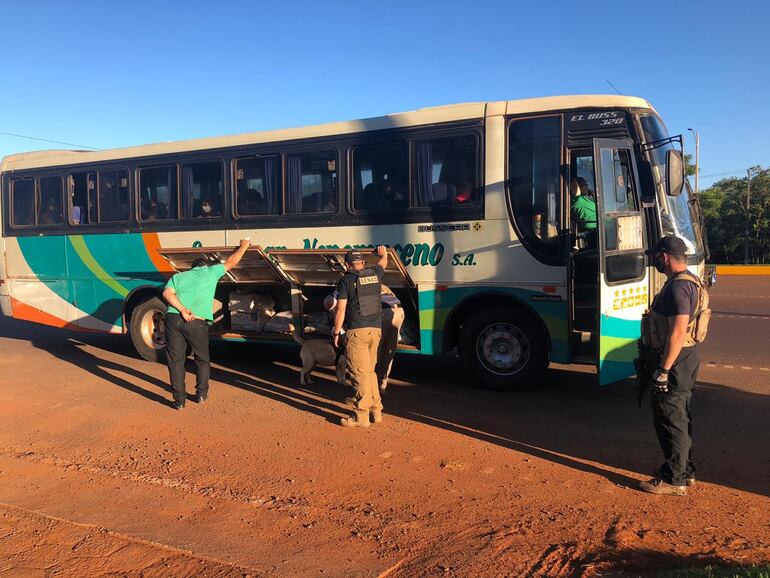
477,200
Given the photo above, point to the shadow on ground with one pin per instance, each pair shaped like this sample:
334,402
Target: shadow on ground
566,419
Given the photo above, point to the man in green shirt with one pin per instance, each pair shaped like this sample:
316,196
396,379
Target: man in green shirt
190,297
583,205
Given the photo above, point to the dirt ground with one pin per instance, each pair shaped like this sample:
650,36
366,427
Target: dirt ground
100,477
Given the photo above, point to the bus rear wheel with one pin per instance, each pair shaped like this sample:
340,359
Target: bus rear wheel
502,349
148,332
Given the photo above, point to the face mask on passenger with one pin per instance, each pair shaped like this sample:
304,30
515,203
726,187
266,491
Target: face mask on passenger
206,208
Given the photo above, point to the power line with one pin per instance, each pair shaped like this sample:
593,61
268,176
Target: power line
69,144
727,173
614,87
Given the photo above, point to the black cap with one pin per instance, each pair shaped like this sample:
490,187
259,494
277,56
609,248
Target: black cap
671,245
353,256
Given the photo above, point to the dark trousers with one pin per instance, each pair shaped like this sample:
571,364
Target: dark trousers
673,420
180,334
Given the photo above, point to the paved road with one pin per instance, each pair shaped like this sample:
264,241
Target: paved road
740,335
98,473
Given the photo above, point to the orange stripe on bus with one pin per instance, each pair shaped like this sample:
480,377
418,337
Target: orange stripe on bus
20,310
152,244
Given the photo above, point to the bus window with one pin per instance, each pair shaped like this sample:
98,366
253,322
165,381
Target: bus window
379,177
50,205
23,201
534,183
619,197
158,193
311,182
444,171
202,189
82,192
112,197
257,186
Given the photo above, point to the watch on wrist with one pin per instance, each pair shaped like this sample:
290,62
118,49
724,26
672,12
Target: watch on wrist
663,371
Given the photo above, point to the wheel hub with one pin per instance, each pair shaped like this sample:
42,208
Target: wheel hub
153,329
503,348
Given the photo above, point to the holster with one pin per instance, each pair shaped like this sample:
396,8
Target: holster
340,349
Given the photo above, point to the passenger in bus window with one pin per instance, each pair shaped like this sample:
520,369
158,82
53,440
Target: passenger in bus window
152,212
51,215
206,208
252,203
391,196
76,215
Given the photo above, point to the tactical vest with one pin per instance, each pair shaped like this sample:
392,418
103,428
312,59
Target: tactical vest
368,292
656,326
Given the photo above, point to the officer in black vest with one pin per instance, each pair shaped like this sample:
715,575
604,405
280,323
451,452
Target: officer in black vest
669,330
359,311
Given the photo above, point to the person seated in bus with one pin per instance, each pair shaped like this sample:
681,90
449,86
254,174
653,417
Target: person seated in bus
151,211
583,205
51,215
76,216
206,209
370,196
391,196
252,203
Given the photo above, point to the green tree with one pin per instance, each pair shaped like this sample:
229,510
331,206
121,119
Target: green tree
688,165
725,212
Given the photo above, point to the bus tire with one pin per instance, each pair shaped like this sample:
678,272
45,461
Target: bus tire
147,329
502,348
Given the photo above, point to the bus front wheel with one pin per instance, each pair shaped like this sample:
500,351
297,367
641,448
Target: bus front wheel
148,332
503,349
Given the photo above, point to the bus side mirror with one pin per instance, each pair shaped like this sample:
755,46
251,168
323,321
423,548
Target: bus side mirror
674,173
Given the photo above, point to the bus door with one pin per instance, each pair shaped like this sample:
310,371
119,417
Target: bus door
623,274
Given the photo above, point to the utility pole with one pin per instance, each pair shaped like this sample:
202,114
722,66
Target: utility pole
696,134
748,207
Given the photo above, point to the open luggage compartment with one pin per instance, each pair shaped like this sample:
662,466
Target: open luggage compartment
272,295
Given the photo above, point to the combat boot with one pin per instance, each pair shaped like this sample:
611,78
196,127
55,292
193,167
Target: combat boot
359,419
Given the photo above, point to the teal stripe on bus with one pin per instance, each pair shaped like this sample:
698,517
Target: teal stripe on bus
435,306
123,257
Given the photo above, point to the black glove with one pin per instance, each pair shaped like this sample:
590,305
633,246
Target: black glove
660,380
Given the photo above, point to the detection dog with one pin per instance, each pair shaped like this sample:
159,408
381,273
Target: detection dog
319,352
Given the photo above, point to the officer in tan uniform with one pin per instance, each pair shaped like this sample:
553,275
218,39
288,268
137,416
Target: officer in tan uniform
359,311
676,322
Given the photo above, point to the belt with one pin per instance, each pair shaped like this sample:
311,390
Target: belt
391,306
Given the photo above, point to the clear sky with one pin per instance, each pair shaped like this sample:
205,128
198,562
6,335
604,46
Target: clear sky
109,74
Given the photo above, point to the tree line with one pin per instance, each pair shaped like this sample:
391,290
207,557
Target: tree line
727,211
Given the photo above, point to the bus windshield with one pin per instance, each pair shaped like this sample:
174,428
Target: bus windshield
678,215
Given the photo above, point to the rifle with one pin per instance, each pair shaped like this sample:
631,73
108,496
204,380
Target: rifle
644,368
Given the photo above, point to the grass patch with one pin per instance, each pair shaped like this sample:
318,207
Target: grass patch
718,572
